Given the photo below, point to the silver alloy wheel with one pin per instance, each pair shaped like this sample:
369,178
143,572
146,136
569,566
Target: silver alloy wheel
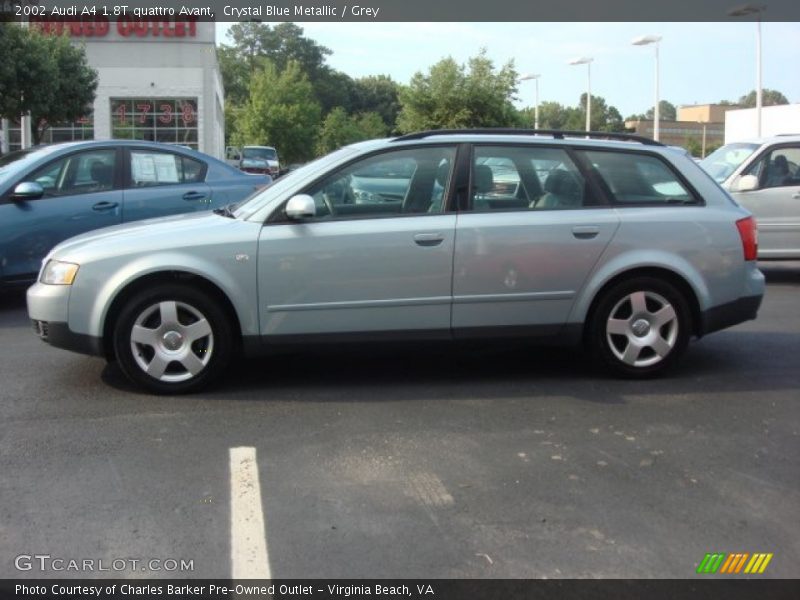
171,341
642,329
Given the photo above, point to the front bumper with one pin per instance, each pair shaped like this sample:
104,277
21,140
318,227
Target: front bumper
48,309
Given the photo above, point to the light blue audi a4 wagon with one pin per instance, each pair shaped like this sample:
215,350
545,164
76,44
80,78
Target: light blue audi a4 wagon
613,241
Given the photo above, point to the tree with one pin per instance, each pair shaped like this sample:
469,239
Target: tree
604,117
379,94
45,76
73,90
457,96
768,98
281,111
552,115
667,112
281,44
339,129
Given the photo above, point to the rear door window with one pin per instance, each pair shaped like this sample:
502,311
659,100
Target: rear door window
638,179
526,178
150,169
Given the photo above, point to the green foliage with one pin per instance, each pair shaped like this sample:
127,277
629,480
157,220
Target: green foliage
281,111
553,115
280,44
379,94
768,98
457,96
695,147
667,112
44,75
340,129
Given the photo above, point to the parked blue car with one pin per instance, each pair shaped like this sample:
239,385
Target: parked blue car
51,193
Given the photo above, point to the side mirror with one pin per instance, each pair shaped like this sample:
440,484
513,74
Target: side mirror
236,157
28,190
301,206
746,183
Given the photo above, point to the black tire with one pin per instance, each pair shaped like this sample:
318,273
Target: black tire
193,348
640,327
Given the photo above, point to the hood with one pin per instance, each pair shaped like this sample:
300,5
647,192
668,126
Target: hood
258,162
151,235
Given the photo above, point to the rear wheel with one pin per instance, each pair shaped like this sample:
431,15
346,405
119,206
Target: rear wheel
172,339
640,327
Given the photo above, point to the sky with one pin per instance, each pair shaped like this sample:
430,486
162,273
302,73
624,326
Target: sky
699,62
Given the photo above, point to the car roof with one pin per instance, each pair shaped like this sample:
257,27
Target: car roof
491,136
773,139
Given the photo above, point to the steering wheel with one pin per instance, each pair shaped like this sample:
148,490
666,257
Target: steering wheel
328,204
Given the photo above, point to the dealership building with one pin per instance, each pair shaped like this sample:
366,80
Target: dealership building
157,80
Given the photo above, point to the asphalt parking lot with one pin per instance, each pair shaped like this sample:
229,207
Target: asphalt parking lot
424,463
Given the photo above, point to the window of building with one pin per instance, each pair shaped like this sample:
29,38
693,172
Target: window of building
82,129
167,120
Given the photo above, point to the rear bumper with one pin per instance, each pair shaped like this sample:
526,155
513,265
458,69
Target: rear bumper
729,314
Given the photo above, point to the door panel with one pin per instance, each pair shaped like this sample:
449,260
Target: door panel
533,231
777,212
370,275
78,197
525,268
163,183
776,204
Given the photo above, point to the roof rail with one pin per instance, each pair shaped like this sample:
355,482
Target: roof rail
556,133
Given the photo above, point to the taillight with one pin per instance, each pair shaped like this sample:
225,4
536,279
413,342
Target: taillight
748,231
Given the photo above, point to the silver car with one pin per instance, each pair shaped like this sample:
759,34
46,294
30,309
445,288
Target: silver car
625,245
763,175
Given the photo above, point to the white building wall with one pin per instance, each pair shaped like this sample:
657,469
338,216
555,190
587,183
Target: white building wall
159,66
742,124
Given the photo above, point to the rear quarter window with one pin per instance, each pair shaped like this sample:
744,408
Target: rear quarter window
638,179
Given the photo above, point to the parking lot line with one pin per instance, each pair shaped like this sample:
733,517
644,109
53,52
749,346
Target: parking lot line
249,557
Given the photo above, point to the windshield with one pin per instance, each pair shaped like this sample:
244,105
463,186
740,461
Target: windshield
724,161
262,153
14,162
282,185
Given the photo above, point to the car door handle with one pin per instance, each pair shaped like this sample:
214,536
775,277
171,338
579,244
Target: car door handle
194,196
105,205
428,239
796,196
585,232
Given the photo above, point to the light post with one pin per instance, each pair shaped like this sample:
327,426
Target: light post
585,60
528,77
703,150
744,11
644,40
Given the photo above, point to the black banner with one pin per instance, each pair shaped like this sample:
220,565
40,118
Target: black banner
404,10
416,589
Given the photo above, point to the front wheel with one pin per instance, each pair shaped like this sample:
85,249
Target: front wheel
172,339
640,327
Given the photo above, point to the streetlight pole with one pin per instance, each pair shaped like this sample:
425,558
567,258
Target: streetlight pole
528,77
745,11
585,60
643,41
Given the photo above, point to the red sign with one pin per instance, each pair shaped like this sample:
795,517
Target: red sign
126,27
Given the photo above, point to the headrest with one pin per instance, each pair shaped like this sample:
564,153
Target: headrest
562,183
484,179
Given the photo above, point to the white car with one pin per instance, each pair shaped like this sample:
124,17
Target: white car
763,175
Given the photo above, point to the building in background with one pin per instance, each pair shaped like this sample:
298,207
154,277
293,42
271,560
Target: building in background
699,128
775,120
157,80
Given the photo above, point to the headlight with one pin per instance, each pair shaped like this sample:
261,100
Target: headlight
57,272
